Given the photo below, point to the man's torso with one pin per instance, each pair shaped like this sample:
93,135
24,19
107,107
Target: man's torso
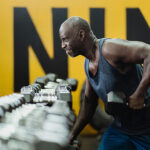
108,78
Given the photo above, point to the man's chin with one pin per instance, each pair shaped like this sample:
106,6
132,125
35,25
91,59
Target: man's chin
69,54
72,56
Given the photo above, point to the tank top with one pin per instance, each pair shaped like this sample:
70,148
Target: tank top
107,79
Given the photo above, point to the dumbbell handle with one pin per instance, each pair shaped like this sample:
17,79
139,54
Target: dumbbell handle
119,97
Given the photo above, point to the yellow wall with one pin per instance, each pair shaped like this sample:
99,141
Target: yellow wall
39,10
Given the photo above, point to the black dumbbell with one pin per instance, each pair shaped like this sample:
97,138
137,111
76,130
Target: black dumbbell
73,83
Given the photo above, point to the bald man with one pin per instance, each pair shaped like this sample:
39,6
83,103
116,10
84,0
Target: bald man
112,65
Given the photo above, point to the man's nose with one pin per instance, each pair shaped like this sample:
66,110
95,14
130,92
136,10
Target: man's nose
63,45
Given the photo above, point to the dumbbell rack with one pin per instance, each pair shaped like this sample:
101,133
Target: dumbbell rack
40,117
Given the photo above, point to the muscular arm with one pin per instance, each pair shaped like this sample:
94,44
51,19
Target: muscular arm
87,110
126,53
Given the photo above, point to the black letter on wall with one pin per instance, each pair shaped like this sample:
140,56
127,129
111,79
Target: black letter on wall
137,28
25,35
97,21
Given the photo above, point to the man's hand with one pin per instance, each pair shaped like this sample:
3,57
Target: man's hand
136,102
71,138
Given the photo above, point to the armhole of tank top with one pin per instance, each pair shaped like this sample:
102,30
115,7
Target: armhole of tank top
100,50
101,44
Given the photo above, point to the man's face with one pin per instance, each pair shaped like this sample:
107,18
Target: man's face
69,40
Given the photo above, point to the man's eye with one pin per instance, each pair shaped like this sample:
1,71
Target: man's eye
64,39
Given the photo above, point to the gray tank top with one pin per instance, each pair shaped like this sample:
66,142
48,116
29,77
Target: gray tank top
107,78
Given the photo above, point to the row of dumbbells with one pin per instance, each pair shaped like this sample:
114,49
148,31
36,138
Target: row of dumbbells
49,88
37,127
37,120
10,102
33,119
58,90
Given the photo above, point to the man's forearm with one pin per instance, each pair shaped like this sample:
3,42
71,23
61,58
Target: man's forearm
86,112
136,100
142,88
145,82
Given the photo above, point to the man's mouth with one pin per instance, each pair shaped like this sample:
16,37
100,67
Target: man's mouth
67,50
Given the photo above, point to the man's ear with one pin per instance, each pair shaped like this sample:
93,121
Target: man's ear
82,35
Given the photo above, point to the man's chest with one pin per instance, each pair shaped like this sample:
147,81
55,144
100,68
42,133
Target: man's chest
93,67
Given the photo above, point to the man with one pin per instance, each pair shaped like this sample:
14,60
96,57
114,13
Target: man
112,65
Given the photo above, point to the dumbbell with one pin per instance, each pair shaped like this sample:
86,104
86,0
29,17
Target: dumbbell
116,102
35,87
120,98
45,79
45,96
60,108
42,81
2,111
51,85
58,80
63,92
28,93
72,118
10,102
73,83
52,77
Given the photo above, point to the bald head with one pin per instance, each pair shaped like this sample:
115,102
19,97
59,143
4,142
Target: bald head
77,23
76,36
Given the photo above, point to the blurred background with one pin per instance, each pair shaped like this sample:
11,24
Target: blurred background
29,40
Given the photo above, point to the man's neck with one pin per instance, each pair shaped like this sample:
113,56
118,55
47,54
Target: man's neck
92,47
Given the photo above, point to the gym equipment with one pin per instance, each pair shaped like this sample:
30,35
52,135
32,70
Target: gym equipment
116,103
52,77
29,91
41,117
63,92
73,82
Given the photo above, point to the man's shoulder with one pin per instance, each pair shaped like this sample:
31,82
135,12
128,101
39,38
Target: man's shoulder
113,50
113,44
115,41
